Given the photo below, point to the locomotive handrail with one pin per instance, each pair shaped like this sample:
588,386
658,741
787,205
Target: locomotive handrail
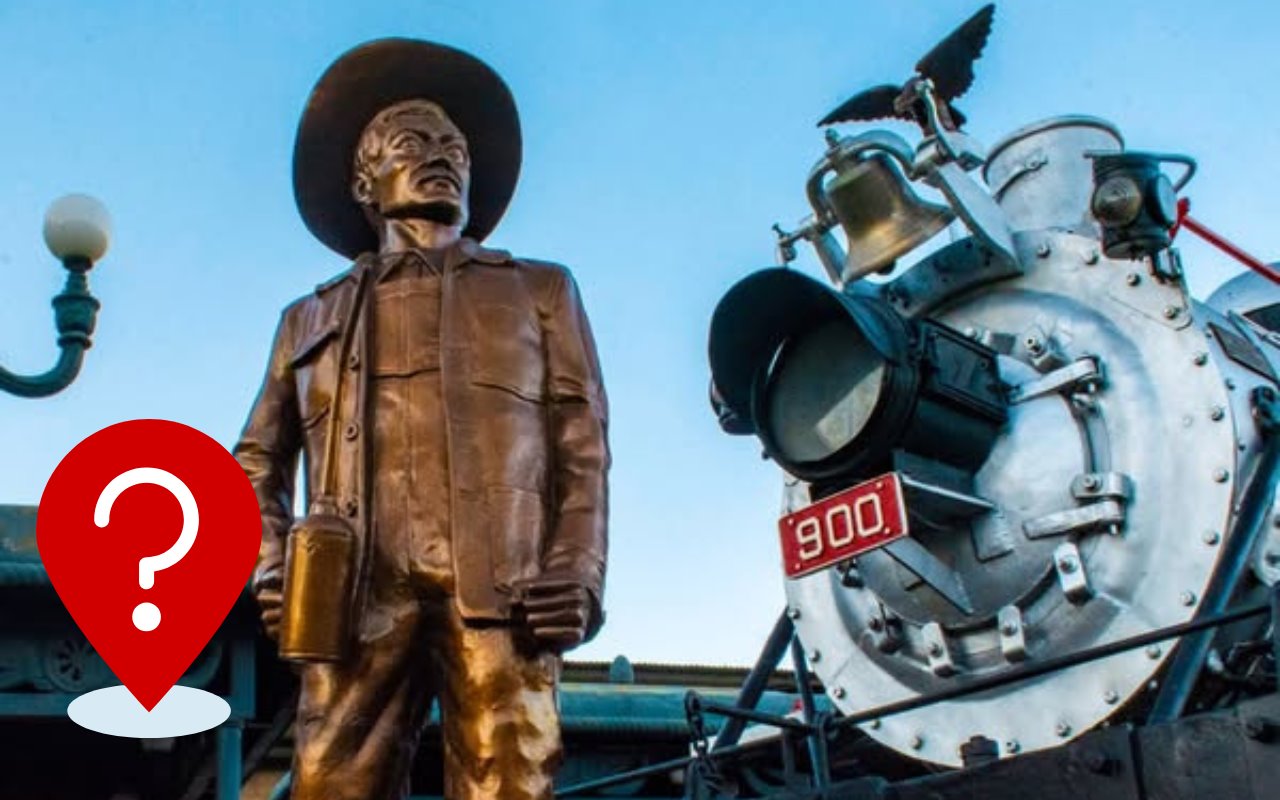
1021,673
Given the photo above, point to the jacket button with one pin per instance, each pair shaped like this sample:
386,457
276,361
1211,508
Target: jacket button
350,506
353,361
351,431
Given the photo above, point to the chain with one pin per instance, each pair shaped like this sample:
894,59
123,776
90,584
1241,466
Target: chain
704,766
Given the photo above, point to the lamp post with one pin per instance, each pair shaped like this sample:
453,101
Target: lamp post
77,229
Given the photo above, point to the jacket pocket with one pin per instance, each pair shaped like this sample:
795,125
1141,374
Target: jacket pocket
507,351
314,369
517,518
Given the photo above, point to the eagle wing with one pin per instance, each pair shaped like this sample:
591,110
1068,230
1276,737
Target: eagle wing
874,103
950,63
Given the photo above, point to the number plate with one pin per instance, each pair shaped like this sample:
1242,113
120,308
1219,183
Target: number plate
844,525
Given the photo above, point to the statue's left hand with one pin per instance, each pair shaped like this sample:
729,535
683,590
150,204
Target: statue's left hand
557,610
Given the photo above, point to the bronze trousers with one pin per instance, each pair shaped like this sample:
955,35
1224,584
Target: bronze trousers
359,721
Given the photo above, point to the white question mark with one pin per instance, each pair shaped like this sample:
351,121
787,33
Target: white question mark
146,616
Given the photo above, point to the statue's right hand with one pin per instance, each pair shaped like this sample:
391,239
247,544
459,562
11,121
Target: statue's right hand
270,595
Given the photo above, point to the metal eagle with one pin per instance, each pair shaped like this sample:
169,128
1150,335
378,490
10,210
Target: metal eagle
946,71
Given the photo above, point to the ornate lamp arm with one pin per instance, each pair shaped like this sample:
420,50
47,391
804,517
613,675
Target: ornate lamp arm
77,230
75,310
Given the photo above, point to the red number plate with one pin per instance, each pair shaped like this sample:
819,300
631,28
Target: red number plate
844,525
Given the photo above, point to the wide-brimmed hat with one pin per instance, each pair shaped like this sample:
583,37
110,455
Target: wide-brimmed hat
379,74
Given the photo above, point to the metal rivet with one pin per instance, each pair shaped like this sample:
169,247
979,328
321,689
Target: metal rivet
351,431
1210,537
1230,384
1216,413
351,506
1009,628
815,656
1043,250
1171,312
935,649
353,361
838,693
1187,598
1132,279
1153,651
917,742
1012,746
1062,729
1220,475
1091,482
1068,565
1091,257
793,612
1111,696
1200,359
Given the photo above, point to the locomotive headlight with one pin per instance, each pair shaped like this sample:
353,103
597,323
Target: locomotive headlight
833,383
1134,202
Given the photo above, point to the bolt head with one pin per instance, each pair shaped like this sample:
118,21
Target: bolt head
1009,628
838,693
1043,250
1217,413
1133,279
1211,537
1068,565
1013,746
1200,359
1091,257
1091,482
1153,651
1187,598
935,649
917,742
1171,312
1062,729
1111,696
793,612
1220,475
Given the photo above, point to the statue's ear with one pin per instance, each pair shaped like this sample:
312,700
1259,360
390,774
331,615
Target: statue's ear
362,189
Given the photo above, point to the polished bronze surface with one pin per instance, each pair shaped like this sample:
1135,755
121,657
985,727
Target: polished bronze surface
318,574
447,401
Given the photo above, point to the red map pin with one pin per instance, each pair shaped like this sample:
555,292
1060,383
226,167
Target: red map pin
149,531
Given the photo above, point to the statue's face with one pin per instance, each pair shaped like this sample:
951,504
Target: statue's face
412,162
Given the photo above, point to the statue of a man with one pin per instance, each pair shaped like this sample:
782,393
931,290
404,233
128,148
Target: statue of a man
447,400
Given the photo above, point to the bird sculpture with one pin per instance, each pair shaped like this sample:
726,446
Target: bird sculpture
946,71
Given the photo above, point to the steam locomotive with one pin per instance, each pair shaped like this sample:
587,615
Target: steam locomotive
1025,445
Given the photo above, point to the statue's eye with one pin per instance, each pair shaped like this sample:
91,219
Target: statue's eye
456,153
406,143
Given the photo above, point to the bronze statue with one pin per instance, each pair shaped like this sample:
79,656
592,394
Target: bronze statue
447,400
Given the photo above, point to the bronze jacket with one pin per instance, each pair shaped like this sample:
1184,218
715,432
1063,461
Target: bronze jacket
525,415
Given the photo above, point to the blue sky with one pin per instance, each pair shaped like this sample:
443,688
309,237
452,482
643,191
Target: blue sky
662,140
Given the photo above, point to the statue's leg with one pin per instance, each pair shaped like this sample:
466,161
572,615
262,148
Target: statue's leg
359,721
501,723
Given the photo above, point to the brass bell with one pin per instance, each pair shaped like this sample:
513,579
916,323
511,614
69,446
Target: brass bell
881,216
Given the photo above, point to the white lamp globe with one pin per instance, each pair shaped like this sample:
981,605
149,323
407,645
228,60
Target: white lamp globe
77,226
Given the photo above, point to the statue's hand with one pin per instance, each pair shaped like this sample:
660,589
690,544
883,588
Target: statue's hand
269,592
557,610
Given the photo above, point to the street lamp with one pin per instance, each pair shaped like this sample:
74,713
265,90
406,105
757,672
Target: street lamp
77,229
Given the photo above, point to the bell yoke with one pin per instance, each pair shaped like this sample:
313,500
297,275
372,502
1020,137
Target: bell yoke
447,401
